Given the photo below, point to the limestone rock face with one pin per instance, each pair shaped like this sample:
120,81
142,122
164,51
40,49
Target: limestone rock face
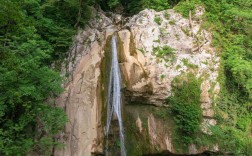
144,70
83,133
147,77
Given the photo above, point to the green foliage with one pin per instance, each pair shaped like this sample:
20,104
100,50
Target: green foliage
142,50
162,76
158,20
185,106
165,52
230,138
188,64
178,67
36,33
156,4
33,35
185,6
133,6
167,15
172,22
162,113
234,123
59,22
150,4
230,22
137,143
113,3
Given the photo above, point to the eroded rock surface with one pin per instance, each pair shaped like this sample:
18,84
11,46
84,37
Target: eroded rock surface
145,70
147,77
83,134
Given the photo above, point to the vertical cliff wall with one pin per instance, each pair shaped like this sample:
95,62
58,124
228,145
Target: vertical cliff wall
83,134
147,80
149,75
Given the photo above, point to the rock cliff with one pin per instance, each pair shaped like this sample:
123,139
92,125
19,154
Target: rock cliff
147,79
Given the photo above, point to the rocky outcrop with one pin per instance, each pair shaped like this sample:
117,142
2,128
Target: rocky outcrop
83,134
147,80
145,70
149,75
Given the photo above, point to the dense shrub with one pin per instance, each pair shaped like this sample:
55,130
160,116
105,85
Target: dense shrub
185,106
134,6
33,35
185,6
230,24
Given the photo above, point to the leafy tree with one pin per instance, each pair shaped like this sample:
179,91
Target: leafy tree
33,35
113,3
136,6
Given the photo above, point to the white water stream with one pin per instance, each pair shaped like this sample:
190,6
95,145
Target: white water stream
114,98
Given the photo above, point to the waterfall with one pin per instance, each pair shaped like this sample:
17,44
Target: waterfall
114,98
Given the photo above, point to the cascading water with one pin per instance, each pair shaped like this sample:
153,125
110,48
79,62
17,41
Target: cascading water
114,98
